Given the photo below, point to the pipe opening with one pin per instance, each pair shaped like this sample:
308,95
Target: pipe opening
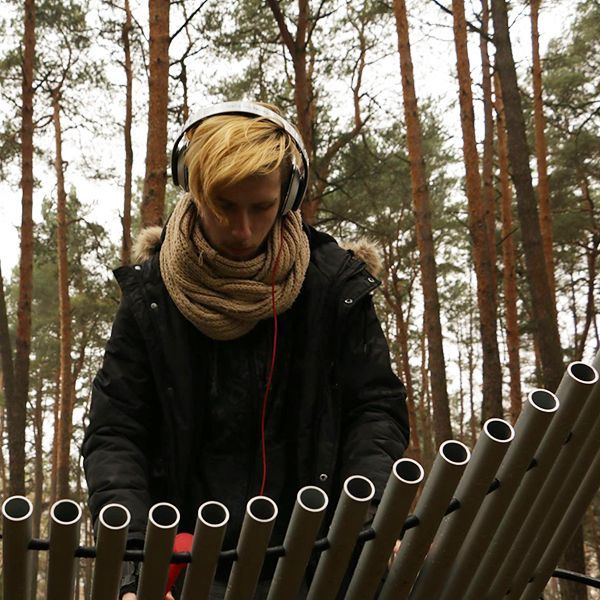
164,515
499,430
455,452
582,372
17,508
543,400
262,509
312,498
115,516
213,514
65,512
408,470
359,488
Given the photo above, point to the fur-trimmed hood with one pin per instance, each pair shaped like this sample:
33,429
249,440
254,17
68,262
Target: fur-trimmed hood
148,243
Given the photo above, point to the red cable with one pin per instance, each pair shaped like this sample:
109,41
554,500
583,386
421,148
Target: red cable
271,370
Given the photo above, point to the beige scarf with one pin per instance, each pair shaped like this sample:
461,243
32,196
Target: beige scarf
225,298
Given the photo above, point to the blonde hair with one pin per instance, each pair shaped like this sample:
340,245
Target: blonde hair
225,149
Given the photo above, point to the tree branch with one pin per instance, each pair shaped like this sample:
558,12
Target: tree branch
288,40
188,20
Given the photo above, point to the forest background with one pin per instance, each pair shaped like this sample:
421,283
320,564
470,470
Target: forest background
474,168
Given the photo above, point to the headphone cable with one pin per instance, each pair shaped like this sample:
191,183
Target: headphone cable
271,370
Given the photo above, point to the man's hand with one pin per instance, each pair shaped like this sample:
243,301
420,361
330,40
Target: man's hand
130,596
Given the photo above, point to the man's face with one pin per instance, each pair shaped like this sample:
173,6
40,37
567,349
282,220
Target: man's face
250,208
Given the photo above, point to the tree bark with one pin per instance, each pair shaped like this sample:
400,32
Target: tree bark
126,241
510,271
38,423
478,227
543,310
422,211
16,410
155,180
539,120
488,191
64,309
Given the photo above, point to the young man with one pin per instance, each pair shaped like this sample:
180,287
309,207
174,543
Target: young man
246,357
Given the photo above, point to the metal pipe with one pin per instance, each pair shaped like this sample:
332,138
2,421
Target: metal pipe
585,450
163,519
16,560
572,393
533,422
64,539
565,531
301,533
398,496
489,451
208,538
349,517
446,471
261,513
113,522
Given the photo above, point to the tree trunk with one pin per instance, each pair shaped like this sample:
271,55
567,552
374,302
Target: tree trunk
543,310
38,483
126,242
539,120
420,193
488,191
16,410
592,258
510,270
155,180
478,227
64,310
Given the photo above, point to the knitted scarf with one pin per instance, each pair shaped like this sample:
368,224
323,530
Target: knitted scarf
225,298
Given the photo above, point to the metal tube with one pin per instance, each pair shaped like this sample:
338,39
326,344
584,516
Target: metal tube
163,519
112,537
533,422
261,513
564,531
573,392
16,534
208,538
557,506
64,539
446,471
489,451
395,503
349,517
301,533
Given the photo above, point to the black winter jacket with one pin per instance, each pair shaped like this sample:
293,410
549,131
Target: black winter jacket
351,417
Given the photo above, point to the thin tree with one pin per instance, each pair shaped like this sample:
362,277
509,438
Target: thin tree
16,406
65,420
487,171
126,220
508,260
478,226
155,180
421,207
539,120
543,309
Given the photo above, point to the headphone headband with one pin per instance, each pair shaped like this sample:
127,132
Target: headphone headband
298,180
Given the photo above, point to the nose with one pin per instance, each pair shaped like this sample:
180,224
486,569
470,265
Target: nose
240,225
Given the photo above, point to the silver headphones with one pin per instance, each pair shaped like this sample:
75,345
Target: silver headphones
299,177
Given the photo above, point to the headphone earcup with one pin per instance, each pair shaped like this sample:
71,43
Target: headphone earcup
182,171
295,192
